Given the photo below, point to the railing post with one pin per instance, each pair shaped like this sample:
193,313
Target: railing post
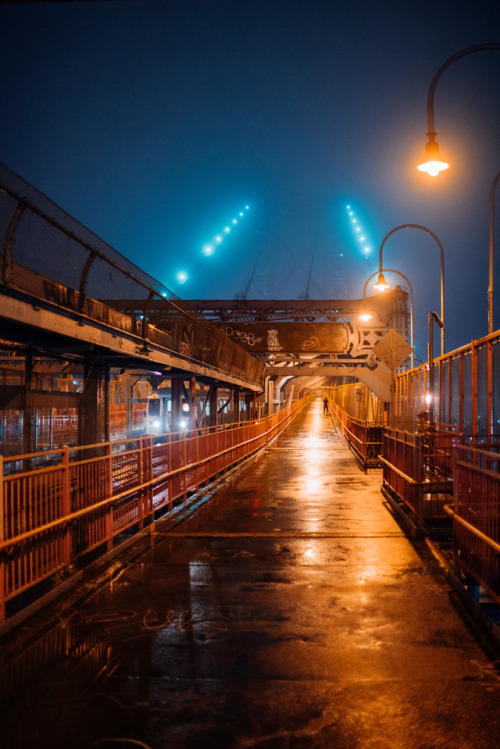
108,477
2,538
198,469
170,481
473,388
184,463
150,489
419,475
461,386
144,500
489,388
66,503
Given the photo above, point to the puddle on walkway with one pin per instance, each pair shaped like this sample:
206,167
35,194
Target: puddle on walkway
290,590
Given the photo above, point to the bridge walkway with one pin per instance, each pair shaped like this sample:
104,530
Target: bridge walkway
291,612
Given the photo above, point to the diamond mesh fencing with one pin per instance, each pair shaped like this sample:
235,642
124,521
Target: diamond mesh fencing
49,255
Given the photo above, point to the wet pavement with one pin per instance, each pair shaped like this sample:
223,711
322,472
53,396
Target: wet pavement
291,613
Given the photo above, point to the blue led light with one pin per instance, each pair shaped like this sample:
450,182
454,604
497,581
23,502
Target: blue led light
358,231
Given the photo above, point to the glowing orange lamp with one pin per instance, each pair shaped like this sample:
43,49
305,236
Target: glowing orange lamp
432,164
381,284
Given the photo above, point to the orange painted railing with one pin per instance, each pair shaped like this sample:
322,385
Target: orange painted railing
463,388
364,437
476,515
59,505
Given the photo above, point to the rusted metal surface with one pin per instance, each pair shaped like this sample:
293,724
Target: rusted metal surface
80,499
326,336
293,337
273,310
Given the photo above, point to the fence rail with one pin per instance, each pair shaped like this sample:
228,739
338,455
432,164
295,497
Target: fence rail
83,499
466,392
476,515
365,438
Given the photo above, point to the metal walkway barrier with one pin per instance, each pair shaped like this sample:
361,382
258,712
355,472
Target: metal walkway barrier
61,508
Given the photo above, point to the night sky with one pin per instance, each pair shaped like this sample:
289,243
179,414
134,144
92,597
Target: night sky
156,123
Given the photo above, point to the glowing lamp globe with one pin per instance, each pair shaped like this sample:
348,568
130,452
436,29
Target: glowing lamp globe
381,284
365,316
432,163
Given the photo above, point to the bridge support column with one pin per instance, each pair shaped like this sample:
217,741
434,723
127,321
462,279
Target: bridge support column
269,396
213,405
236,405
28,436
127,385
249,402
93,421
192,402
176,403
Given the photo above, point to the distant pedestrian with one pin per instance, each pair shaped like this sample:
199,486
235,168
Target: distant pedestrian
325,405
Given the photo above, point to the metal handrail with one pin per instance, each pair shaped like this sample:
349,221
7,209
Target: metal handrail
487,540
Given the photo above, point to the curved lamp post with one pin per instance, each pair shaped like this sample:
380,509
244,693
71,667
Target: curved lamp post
381,285
441,252
490,272
433,164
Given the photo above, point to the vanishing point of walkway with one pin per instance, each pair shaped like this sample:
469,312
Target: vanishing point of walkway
291,613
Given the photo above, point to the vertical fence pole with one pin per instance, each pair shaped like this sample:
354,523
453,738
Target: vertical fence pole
66,503
108,468
474,387
144,451
2,538
419,476
461,418
170,480
450,382
150,490
489,388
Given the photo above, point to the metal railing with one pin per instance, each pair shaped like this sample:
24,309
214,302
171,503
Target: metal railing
465,394
82,499
364,437
476,515
419,470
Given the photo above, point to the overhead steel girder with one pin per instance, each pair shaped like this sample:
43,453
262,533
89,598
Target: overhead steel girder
319,371
71,332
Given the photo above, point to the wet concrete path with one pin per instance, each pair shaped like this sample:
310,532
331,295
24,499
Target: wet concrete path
294,613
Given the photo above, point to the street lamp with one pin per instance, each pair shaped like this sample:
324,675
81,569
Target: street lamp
433,164
490,272
441,252
382,286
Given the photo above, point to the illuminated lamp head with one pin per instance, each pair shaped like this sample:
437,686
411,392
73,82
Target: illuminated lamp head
381,284
365,316
432,163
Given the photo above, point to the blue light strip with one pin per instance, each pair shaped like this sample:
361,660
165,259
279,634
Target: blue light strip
359,232
208,249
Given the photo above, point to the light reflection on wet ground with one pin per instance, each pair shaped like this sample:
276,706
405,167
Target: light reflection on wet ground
306,619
